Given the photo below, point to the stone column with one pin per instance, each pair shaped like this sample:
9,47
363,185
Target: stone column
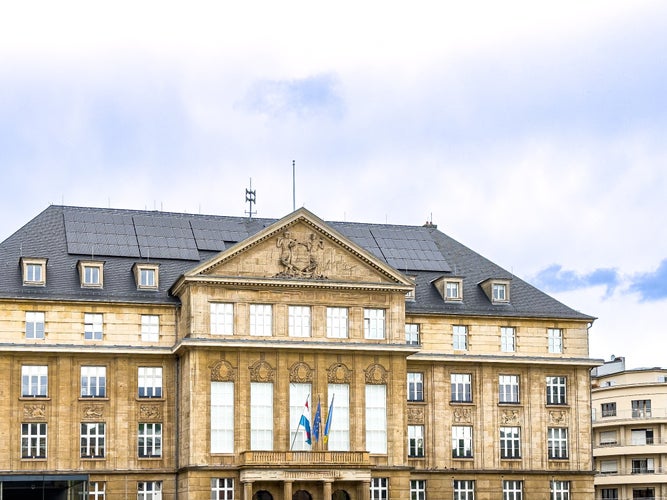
364,490
287,490
327,490
247,490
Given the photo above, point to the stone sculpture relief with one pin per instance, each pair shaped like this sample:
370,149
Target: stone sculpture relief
462,415
93,412
149,412
338,373
300,373
376,374
261,371
34,412
300,258
223,371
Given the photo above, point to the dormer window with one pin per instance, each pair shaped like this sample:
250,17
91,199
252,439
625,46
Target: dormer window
91,274
497,290
146,276
34,271
411,294
450,288
453,290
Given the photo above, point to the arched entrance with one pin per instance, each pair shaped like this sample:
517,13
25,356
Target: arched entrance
340,495
262,495
302,495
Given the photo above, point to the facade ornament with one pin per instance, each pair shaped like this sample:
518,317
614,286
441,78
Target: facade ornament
223,371
415,415
34,412
261,371
509,417
300,373
462,415
300,258
558,417
149,412
376,374
92,412
338,373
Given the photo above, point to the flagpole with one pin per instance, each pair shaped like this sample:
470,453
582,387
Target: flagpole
296,433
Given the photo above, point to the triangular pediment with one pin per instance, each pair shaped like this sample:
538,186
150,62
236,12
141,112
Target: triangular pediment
299,247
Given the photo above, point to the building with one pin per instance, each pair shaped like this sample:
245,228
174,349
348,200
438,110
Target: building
629,431
161,355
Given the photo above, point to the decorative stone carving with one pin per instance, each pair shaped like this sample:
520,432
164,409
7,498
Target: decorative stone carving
462,415
300,373
223,371
376,374
34,412
558,417
261,371
415,415
338,373
150,412
92,412
509,417
300,258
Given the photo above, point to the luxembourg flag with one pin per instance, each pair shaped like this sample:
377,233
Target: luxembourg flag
305,423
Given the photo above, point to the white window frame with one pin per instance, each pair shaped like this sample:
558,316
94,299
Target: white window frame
150,328
499,292
97,490
376,419
453,290
415,386
222,488
557,445
149,490
417,489
512,489
507,339
149,440
379,488
461,387
462,443
149,382
261,416
298,321
557,390
412,334
460,337
93,439
34,325
34,440
374,323
91,274
222,318
34,271
261,316
339,431
464,489
555,336
298,395
93,326
147,276
34,381
222,417
416,441
510,442
559,490
337,322
93,382
508,389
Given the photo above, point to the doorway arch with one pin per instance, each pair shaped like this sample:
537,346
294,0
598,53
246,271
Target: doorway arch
262,495
340,495
302,495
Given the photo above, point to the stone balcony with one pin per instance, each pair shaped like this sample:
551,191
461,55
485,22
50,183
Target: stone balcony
305,458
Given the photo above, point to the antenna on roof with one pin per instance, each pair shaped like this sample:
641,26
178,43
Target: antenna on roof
293,185
251,198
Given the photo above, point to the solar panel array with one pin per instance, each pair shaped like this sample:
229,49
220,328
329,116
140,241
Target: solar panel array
99,233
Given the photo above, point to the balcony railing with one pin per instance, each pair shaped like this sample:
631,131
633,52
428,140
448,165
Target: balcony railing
305,458
649,442
623,471
608,416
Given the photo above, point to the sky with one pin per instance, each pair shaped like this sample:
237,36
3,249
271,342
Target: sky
532,132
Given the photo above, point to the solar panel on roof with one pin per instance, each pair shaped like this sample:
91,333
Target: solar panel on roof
216,234
92,233
409,248
162,236
361,236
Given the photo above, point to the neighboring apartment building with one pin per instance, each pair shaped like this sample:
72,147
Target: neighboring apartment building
629,431
158,355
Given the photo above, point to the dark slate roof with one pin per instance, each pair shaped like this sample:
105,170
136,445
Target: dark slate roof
179,242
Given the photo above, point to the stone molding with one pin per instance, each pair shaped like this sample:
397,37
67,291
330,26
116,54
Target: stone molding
223,371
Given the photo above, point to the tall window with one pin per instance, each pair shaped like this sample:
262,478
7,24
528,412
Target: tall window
299,321
92,440
96,490
376,418
261,416
415,386
609,494
93,381
150,381
337,322
461,387
499,292
464,490
33,273
150,328
379,488
374,323
222,417
417,489
222,488
508,388
557,442
641,408
260,320
460,337
461,441
609,409
298,395
412,334
147,277
33,440
560,490
415,441
92,275
34,325
149,440
222,319
555,340
452,290
512,490
556,390
510,442
507,339
92,326
149,490
34,381
339,430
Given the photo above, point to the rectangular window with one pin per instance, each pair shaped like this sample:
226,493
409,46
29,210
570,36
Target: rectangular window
647,493
260,320
641,408
510,442
299,321
461,387
462,441
147,277
92,440
222,488
560,490
337,322
33,440
452,290
376,418
339,426
608,466
641,436
149,490
379,488
150,328
508,389
460,337
93,381
222,319
96,490
34,325
150,381
608,438
417,489
556,390
299,395
222,417
92,326
512,490
261,416
609,494
33,273
464,490
609,409
374,323
557,442
643,466
507,339
555,340
149,440
415,386
34,381
499,292
412,334
91,275
415,441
